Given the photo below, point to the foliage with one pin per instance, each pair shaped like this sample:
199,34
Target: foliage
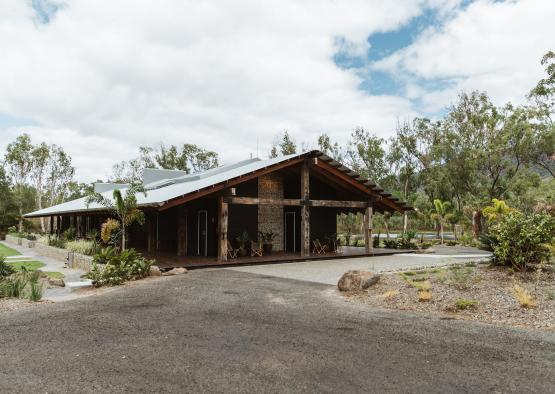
496,210
111,267
376,241
82,246
461,277
123,206
285,146
518,239
70,234
109,231
465,304
243,239
55,241
267,237
399,243
5,268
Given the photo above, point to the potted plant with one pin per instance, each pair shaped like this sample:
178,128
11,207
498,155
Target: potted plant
243,240
267,239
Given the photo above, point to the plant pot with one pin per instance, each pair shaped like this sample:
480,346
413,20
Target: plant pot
267,248
243,252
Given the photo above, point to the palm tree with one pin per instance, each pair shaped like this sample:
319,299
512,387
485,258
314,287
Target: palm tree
496,210
123,206
441,208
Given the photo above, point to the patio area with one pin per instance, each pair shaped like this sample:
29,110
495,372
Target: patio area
191,262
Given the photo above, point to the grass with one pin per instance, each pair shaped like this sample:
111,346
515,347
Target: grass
7,251
524,298
55,275
465,304
29,265
550,295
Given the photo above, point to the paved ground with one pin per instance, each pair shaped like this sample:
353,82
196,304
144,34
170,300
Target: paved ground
329,271
229,331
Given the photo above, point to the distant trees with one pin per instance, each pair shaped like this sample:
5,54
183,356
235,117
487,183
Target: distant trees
284,146
189,158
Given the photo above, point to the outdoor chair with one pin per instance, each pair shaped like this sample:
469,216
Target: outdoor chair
318,247
231,251
256,249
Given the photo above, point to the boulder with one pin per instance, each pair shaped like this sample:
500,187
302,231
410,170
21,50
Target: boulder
357,280
155,271
56,282
175,271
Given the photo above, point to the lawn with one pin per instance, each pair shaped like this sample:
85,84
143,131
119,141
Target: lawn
6,251
29,265
55,275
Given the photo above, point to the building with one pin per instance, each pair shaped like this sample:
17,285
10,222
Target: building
193,216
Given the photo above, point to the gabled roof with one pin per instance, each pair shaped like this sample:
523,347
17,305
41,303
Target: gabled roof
164,186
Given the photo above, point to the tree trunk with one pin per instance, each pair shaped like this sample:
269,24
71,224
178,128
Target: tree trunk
20,219
386,226
476,224
441,230
122,237
405,222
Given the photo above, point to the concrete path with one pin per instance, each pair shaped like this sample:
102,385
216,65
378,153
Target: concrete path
52,265
329,271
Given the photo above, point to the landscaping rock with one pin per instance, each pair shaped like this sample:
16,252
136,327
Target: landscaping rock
155,271
175,271
56,282
357,280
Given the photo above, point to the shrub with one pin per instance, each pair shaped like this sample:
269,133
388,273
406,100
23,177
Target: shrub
111,267
109,231
523,297
518,239
31,237
56,241
465,304
5,268
550,295
82,246
376,241
461,277
399,243
35,292
70,234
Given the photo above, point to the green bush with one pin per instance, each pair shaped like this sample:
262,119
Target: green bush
399,243
518,240
70,234
111,267
56,241
465,304
376,241
5,268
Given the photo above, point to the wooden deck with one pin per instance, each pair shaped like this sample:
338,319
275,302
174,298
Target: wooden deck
165,261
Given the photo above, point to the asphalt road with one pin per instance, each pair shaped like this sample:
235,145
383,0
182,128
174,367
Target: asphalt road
228,331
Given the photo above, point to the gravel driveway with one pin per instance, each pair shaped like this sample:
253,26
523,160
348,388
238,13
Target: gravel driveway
229,331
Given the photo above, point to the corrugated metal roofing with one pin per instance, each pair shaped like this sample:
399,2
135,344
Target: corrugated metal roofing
164,190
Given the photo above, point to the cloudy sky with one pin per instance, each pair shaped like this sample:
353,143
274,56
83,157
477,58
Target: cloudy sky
101,77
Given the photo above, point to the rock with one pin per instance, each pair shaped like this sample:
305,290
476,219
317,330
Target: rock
357,280
155,271
56,282
175,271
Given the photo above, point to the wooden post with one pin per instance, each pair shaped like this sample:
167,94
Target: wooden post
305,210
368,241
51,225
181,231
58,225
222,229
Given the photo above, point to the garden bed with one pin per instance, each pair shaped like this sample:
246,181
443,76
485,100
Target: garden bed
478,293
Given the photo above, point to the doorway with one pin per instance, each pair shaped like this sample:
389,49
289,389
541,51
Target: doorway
290,232
202,233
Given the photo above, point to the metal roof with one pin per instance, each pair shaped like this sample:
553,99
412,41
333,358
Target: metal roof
163,190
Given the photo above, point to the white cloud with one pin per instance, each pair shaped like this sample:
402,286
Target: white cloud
489,46
103,78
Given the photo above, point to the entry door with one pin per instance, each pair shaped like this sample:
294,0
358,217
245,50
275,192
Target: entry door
202,235
290,232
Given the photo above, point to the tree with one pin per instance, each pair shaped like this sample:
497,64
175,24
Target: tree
123,206
333,150
285,146
8,207
366,155
40,156
496,210
19,161
441,209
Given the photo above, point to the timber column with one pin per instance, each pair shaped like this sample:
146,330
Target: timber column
368,240
181,231
222,229
305,210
